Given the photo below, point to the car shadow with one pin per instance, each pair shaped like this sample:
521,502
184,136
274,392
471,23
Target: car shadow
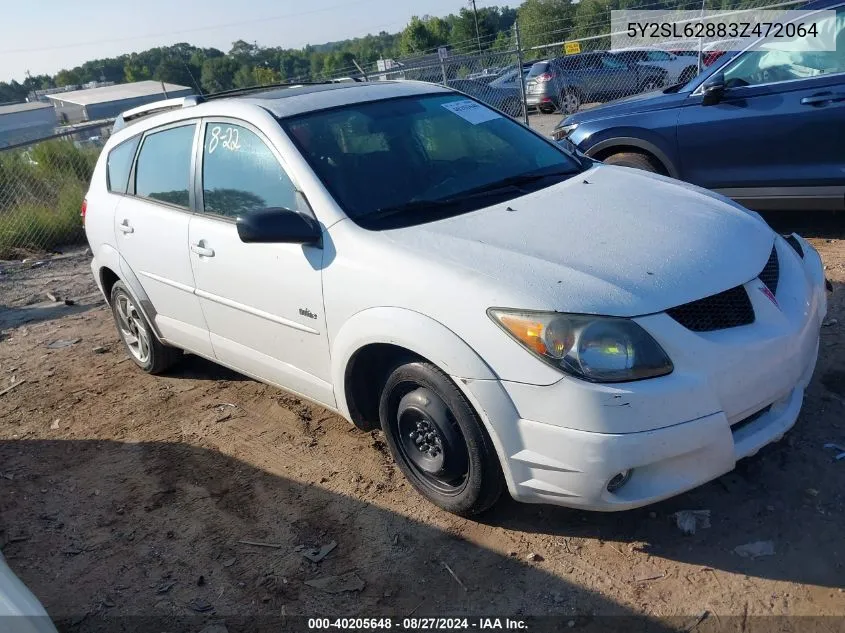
152,536
198,368
16,316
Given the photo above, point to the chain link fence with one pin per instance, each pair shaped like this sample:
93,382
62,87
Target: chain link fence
491,77
42,185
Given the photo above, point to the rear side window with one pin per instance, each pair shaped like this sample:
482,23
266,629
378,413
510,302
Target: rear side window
538,69
164,165
240,174
119,164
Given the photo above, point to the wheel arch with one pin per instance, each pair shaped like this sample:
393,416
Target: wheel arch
605,148
395,333
372,341
110,267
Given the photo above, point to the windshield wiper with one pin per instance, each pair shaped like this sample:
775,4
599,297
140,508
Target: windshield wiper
490,189
426,204
515,181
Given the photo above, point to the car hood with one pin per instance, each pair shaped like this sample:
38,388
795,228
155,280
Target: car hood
645,102
612,241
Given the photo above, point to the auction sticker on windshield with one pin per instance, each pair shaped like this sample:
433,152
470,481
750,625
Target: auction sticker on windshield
471,111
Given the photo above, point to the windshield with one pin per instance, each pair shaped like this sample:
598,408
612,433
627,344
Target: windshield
424,157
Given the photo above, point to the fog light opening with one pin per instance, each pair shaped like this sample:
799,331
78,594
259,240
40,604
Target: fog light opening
618,480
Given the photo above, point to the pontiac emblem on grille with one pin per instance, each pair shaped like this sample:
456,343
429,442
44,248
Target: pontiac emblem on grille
770,295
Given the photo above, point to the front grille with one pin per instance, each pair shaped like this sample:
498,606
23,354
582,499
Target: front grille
736,426
727,309
771,272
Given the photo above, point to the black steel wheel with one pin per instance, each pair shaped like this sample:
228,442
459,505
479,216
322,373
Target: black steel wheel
438,441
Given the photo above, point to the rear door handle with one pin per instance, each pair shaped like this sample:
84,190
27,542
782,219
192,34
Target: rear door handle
201,250
125,228
827,97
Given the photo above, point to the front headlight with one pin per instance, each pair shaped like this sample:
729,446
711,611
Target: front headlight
563,131
598,349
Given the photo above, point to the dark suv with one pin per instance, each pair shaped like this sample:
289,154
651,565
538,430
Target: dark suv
564,83
765,127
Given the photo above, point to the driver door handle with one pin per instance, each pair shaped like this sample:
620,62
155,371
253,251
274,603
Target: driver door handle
819,99
201,250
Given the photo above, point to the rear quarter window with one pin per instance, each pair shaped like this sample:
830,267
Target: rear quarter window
119,164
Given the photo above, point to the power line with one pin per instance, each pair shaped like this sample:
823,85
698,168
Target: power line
211,27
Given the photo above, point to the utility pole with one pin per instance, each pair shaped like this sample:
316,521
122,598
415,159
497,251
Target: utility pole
519,76
477,32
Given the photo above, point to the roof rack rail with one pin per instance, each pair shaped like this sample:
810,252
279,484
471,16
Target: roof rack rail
157,107
242,91
148,109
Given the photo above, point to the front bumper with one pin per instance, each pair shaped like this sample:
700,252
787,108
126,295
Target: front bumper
732,392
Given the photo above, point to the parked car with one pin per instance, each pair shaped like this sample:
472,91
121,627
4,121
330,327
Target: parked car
679,68
20,610
714,51
509,78
506,99
764,127
564,83
418,262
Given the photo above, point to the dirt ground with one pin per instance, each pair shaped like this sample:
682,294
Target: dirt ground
124,495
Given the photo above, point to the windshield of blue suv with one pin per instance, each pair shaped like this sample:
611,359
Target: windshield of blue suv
410,160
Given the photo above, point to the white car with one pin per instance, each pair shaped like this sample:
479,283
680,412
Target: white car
679,68
20,611
511,315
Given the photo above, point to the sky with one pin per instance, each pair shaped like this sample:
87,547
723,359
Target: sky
44,36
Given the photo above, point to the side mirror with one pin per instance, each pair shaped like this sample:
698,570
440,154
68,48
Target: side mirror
278,225
713,89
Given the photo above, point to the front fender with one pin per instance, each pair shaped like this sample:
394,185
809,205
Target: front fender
411,330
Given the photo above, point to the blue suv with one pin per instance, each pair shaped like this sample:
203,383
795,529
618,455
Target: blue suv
765,127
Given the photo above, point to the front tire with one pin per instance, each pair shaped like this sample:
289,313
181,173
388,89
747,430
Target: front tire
145,350
438,441
635,160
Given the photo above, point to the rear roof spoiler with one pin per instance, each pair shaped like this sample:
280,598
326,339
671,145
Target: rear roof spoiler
156,107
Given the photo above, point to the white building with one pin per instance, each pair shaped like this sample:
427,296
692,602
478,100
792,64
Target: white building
109,101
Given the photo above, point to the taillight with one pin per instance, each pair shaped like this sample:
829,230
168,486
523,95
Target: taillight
83,210
545,77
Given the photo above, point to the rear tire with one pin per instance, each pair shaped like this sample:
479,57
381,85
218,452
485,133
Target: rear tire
635,160
438,441
144,348
569,102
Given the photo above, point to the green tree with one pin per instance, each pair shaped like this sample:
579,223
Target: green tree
173,71
264,76
546,21
134,69
592,17
67,78
243,51
218,74
491,21
423,35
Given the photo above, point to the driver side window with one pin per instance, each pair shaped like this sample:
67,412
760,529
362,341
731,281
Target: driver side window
768,65
240,174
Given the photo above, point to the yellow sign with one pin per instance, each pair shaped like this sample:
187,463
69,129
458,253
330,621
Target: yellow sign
572,48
